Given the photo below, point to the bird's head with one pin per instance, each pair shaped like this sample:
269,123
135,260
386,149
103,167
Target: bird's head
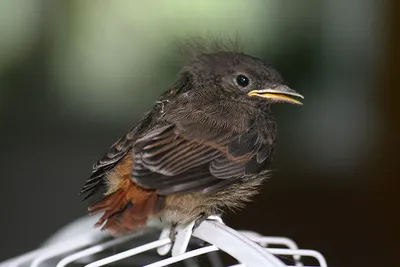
240,75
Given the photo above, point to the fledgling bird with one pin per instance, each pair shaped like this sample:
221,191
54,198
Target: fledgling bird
204,147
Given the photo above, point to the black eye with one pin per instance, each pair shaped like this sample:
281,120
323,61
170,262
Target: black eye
242,80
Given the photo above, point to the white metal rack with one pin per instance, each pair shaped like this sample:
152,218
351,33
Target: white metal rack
79,244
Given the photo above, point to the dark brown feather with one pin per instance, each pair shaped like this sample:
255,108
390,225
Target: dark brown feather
168,158
205,145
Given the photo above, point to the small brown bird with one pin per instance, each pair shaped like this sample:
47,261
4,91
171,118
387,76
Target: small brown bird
203,148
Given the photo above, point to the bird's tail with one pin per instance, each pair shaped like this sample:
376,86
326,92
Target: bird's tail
127,208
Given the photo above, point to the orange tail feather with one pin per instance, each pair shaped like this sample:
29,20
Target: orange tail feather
127,208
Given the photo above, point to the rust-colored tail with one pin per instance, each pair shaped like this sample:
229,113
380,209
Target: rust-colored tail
127,208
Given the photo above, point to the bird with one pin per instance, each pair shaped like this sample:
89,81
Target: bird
203,148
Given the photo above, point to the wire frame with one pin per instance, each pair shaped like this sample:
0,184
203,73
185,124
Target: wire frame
79,244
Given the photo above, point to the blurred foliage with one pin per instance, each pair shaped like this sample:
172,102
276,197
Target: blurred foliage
111,58
107,61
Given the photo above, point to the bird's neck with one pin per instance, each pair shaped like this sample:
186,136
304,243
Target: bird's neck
225,111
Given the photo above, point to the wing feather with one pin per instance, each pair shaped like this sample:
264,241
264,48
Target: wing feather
169,161
112,157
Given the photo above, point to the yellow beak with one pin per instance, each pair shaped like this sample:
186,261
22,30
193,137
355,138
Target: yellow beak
280,94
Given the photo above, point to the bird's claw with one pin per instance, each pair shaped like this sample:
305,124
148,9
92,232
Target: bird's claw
199,220
180,235
173,233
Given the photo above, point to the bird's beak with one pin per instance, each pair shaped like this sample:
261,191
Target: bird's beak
281,93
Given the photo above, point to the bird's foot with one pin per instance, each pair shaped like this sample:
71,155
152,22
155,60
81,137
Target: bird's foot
202,217
173,232
180,235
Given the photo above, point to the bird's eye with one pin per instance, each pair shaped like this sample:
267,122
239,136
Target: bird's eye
242,80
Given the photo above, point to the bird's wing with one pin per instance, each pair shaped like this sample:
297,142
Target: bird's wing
171,160
112,157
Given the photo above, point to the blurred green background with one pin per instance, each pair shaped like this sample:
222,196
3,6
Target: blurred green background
75,75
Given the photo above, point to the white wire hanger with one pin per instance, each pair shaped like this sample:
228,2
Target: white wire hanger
80,243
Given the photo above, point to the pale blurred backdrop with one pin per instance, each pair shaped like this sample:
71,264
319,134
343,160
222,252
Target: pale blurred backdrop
75,75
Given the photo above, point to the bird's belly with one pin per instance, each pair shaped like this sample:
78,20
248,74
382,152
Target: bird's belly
183,208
